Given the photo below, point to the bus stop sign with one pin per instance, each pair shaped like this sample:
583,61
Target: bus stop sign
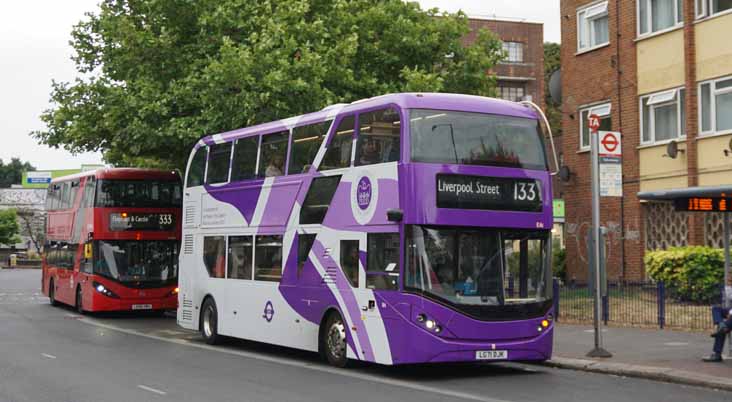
594,123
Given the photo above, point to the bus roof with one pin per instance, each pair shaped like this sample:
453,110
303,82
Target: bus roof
439,101
123,174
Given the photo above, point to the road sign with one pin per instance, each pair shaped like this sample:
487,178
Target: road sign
594,123
610,144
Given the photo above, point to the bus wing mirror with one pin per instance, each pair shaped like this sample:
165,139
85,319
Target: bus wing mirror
87,251
394,215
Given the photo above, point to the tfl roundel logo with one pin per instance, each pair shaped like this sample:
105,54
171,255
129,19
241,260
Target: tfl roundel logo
268,311
363,193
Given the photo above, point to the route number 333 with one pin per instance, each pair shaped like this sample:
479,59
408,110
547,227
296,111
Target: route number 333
165,219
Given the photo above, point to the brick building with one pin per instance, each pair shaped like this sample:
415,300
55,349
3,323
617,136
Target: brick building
658,71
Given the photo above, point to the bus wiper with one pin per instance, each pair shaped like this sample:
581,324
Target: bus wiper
452,137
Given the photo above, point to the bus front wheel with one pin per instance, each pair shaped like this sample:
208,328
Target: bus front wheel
334,342
52,293
79,301
209,322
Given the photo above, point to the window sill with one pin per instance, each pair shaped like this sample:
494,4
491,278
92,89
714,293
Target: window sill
583,151
713,16
591,49
659,33
713,134
661,143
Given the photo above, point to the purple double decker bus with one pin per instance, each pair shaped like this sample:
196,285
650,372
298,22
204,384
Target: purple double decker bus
406,228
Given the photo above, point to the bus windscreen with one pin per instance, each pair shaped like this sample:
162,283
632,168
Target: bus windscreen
141,262
465,138
138,194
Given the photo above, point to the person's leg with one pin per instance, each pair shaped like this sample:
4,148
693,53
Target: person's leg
716,356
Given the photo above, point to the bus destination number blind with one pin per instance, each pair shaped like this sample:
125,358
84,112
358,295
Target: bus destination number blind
489,193
704,204
120,222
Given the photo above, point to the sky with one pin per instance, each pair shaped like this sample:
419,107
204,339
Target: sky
34,50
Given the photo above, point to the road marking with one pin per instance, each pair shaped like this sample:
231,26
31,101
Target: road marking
157,391
591,331
305,365
676,343
46,355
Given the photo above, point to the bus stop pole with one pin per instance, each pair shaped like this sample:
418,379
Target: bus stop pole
725,218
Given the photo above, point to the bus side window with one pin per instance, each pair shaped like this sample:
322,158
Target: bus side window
338,154
349,261
268,258
304,146
244,165
320,194
304,245
240,261
273,152
219,157
65,195
382,261
213,255
49,197
378,137
198,168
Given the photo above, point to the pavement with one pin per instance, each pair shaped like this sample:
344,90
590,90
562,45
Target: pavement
53,354
664,355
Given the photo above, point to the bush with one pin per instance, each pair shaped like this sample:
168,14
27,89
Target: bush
559,265
690,273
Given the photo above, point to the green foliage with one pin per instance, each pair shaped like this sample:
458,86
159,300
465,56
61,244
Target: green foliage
559,263
690,273
9,227
12,173
552,63
161,73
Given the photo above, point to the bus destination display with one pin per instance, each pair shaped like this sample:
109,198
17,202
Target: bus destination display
489,193
120,222
704,204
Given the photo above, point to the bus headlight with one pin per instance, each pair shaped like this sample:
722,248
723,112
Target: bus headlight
174,292
429,324
103,290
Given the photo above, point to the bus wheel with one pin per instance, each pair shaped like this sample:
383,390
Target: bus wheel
334,341
52,293
209,322
79,301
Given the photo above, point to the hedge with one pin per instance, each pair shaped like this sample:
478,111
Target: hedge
694,274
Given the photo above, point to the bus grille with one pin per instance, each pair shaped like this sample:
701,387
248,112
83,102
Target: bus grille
190,218
188,244
186,312
330,275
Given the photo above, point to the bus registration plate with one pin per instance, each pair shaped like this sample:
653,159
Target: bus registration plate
491,355
142,306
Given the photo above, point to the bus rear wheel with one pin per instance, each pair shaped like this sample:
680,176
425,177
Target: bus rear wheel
52,293
334,342
79,301
209,322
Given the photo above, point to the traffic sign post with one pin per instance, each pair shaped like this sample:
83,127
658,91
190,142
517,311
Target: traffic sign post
594,124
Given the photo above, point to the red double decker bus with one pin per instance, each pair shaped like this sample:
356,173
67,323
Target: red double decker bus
112,239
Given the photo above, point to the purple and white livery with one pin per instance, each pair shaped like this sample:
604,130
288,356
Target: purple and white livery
405,228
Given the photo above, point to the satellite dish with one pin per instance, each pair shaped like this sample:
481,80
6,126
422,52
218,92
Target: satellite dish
555,87
672,150
564,173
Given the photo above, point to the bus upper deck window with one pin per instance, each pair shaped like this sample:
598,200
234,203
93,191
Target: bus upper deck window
273,152
218,163
244,165
338,154
197,168
305,144
378,137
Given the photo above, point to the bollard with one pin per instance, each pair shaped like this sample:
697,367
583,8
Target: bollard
661,304
605,309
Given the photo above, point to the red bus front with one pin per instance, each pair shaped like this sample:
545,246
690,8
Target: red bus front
116,247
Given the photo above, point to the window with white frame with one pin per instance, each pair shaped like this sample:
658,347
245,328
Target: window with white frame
715,106
513,92
663,116
708,8
658,15
514,52
592,26
603,112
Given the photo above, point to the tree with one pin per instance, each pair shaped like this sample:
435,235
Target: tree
161,73
9,227
32,225
12,173
552,63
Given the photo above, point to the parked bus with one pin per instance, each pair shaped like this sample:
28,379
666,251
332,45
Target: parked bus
406,228
112,239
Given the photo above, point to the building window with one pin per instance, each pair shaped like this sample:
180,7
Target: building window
603,112
662,116
708,8
592,27
514,52
512,92
658,15
715,106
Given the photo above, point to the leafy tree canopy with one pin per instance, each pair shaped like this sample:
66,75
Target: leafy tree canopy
9,227
161,73
12,172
